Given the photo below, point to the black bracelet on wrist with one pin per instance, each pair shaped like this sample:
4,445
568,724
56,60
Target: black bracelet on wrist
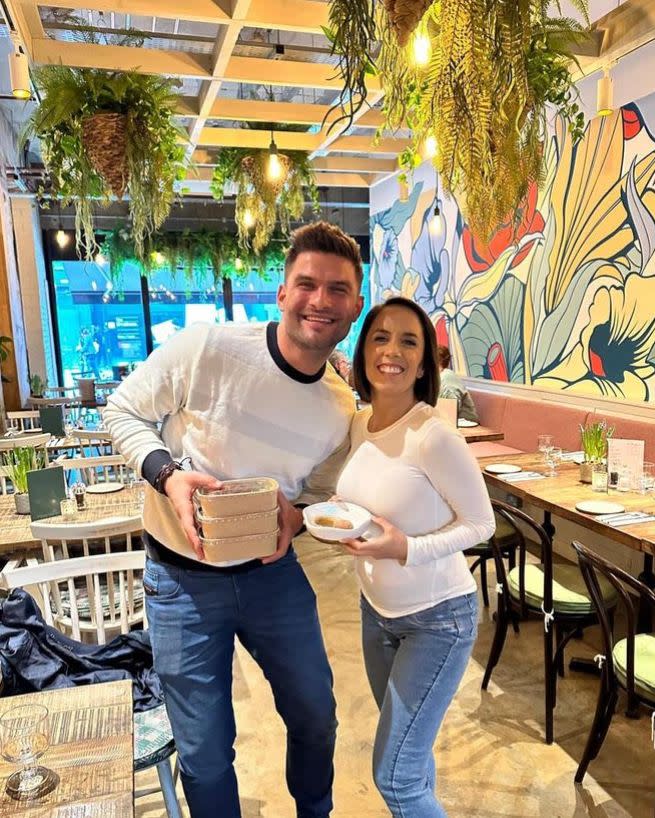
163,475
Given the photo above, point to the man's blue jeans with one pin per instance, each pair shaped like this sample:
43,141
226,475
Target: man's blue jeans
194,616
414,665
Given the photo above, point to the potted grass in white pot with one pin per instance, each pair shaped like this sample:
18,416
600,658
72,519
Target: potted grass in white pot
19,462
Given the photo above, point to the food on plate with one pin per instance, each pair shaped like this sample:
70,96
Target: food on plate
333,522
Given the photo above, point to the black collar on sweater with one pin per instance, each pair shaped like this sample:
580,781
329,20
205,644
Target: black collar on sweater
282,363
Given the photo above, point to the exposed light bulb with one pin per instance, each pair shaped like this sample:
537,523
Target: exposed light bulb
429,147
62,238
605,94
248,218
436,226
158,258
100,260
238,264
274,169
421,48
403,192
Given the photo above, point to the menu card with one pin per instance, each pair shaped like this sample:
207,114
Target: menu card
625,456
52,420
46,488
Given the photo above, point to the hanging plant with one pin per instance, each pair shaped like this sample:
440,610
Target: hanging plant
201,255
488,73
107,133
262,203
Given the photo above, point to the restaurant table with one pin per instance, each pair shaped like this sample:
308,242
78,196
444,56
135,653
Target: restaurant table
559,495
15,533
473,434
91,750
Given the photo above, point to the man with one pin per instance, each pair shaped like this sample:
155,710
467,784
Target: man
450,386
244,401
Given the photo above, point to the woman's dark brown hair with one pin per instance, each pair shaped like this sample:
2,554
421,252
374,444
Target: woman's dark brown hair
426,388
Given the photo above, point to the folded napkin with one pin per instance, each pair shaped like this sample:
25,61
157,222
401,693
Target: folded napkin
625,518
516,477
575,457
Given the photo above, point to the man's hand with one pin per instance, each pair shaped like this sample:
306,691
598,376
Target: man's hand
290,522
179,488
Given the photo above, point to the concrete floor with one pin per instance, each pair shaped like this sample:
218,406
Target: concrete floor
491,757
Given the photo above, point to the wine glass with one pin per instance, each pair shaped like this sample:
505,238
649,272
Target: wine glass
24,737
553,459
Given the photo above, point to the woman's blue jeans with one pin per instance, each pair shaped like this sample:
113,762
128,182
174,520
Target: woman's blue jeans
194,617
414,665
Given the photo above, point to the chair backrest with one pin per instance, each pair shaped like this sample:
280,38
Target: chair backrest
522,523
4,479
109,579
36,440
25,420
94,442
73,400
630,592
110,468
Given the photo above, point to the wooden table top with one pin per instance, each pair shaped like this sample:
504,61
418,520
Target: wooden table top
91,750
473,434
15,533
560,494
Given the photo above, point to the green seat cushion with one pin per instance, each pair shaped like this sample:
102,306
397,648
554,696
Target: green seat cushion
505,533
153,737
570,593
644,664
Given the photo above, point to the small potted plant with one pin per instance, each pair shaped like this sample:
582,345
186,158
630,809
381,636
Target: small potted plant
37,386
19,461
593,439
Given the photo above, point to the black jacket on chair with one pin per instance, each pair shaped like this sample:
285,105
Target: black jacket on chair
34,656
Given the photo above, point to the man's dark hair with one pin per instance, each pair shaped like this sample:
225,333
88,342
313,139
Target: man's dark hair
443,354
323,237
426,387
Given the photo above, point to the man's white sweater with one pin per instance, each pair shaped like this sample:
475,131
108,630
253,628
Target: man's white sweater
224,397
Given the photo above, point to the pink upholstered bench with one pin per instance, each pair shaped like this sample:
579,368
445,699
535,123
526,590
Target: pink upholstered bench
522,420
631,428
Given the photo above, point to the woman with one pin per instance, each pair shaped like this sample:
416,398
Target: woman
419,600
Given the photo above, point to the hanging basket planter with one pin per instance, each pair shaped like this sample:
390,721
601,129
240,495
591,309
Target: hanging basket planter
104,137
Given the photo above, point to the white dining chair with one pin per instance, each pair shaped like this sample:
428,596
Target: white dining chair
153,738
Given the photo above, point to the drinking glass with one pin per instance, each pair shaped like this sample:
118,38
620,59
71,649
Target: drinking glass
544,444
648,478
136,494
553,459
599,477
24,737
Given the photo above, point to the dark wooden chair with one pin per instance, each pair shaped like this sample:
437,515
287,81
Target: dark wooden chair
556,593
629,663
483,553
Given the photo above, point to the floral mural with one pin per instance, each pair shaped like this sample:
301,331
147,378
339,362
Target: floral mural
561,297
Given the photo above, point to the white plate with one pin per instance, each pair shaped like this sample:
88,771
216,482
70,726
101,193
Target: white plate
466,424
358,516
599,507
503,468
104,488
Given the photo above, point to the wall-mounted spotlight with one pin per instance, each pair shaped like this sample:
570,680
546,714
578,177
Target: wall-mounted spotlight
19,72
605,94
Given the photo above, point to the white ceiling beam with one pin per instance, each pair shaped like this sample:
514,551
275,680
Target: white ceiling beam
288,15
297,113
322,179
624,29
289,73
121,57
199,11
223,48
365,144
356,164
245,138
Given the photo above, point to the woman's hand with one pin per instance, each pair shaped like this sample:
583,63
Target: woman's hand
390,545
